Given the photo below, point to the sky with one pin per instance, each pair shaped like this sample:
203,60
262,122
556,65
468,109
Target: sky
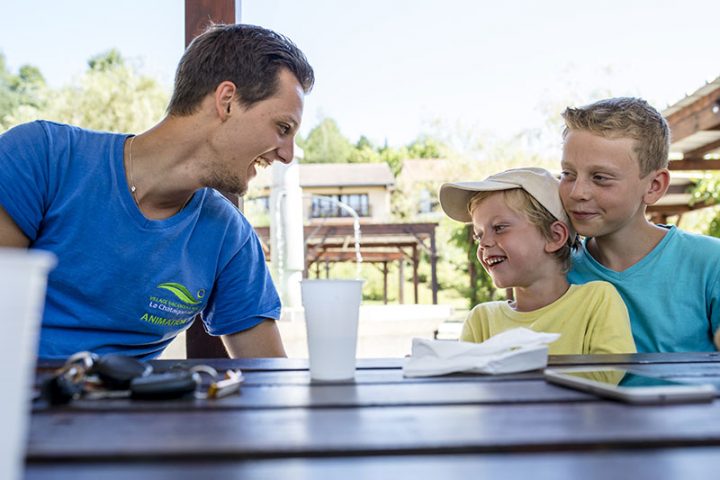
393,69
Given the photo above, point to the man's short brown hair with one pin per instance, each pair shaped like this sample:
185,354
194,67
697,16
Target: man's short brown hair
249,56
625,117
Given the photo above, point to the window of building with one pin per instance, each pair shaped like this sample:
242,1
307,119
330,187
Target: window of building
325,206
428,203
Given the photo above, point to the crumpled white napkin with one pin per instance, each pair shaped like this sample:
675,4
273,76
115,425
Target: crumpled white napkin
516,350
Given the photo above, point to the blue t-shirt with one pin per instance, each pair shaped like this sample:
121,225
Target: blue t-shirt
124,283
672,294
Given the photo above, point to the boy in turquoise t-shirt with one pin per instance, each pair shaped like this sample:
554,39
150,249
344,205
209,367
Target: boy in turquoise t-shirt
614,165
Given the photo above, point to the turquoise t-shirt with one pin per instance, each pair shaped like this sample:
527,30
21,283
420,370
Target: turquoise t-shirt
124,283
672,295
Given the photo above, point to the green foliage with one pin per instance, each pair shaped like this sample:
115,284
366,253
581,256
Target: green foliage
17,90
106,61
708,190
427,147
109,96
326,144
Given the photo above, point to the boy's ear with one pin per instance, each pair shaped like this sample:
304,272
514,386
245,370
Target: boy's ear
560,233
659,183
224,95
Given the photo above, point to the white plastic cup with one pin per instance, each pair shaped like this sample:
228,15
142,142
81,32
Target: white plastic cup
332,308
23,279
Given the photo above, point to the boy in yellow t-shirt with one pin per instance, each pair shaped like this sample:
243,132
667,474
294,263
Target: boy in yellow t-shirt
524,242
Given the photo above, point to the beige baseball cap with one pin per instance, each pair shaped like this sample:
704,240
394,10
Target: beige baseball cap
538,182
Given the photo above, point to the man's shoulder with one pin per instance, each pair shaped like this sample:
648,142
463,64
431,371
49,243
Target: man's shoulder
52,131
224,214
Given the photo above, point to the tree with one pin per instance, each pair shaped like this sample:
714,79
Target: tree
16,90
110,96
326,144
426,146
708,190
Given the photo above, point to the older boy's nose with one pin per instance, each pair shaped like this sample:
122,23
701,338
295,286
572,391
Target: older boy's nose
579,190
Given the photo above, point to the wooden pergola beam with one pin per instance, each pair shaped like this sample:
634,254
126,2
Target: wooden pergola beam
696,117
694,164
699,152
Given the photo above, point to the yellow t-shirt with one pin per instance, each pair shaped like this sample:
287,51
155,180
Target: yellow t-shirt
591,318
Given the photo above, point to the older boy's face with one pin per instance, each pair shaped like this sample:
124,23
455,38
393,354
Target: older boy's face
600,186
510,248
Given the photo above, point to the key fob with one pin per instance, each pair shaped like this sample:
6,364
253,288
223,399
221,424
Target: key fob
117,371
60,390
164,386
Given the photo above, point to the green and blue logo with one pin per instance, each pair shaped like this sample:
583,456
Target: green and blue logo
182,293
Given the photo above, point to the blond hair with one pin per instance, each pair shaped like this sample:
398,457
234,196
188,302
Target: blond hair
525,204
629,118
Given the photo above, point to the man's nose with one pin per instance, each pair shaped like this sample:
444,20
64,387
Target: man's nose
286,152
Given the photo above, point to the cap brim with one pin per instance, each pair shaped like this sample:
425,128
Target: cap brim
455,197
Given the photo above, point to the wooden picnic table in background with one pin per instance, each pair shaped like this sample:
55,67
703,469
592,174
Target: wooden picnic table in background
383,425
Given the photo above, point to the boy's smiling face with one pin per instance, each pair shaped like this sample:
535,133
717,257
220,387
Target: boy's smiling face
510,248
600,186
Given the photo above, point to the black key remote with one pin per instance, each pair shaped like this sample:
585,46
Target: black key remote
164,386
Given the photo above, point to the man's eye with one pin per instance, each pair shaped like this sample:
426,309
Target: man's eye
284,128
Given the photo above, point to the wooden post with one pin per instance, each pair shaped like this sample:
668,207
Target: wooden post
415,273
433,268
401,281
198,15
385,283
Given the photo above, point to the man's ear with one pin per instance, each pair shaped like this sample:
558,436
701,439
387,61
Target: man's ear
659,183
224,96
559,233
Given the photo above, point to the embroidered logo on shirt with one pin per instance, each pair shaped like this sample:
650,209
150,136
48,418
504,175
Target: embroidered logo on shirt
182,293
176,310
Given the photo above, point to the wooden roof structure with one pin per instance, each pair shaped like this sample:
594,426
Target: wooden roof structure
380,244
695,127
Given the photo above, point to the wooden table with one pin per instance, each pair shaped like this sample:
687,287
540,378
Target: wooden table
283,426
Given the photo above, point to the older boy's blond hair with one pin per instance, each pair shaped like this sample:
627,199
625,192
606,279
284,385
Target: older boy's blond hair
525,204
625,117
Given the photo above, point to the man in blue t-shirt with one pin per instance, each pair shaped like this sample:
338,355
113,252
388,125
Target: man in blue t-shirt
143,239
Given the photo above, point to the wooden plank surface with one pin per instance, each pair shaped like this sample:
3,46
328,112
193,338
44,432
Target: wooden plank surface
262,433
300,364
348,395
655,464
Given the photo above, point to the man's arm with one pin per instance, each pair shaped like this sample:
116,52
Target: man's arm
10,233
263,340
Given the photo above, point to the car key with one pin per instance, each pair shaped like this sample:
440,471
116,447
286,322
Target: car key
67,383
117,371
164,386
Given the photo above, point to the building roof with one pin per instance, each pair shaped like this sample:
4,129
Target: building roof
336,175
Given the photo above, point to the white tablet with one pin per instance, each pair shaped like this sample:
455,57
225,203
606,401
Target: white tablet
620,384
